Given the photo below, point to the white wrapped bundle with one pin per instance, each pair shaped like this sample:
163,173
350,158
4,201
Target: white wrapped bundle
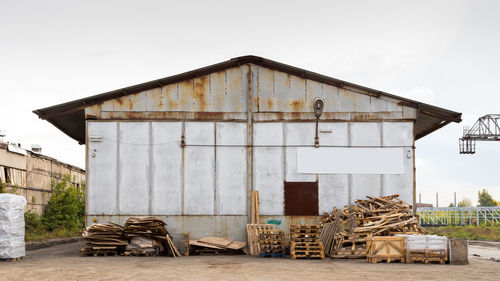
11,226
435,242
416,243
425,242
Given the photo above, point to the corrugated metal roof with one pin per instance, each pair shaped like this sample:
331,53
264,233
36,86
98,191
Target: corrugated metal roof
69,117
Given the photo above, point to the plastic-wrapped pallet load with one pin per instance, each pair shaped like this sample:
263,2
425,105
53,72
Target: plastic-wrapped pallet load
426,248
11,226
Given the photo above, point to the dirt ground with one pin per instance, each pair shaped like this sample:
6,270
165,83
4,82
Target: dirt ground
63,263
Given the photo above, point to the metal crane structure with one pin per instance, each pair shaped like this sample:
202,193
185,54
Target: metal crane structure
486,128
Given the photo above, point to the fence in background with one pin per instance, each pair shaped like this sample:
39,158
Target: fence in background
458,215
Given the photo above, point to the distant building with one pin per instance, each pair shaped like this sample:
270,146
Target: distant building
30,174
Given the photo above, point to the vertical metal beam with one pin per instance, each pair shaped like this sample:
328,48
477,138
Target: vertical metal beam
250,78
118,168
414,173
215,169
349,177
150,172
381,129
183,165
86,171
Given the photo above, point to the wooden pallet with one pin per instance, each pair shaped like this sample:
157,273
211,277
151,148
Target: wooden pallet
307,256
272,255
12,259
253,236
307,250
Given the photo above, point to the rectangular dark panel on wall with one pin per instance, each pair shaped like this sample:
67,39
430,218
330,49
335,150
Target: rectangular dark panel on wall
301,198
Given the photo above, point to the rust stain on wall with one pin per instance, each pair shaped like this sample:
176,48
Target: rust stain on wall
201,93
297,105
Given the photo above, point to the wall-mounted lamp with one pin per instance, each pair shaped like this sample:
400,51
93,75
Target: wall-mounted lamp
319,105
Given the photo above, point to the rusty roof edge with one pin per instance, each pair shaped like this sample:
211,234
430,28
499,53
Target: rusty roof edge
234,62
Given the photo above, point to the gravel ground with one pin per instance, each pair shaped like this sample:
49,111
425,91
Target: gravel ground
62,262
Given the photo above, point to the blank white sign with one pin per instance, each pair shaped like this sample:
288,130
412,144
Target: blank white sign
350,160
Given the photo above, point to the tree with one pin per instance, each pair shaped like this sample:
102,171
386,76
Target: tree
465,203
485,199
451,205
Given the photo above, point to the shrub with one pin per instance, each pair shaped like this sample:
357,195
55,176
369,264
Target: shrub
33,222
66,207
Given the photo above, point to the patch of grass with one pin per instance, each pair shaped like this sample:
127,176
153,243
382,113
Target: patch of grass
41,235
481,232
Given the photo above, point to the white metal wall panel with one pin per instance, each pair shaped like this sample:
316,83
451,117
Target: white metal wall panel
331,95
401,184
231,133
333,191
102,174
281,89
313,89
199,177
297,98
268,133
346,100
361,103
363,185
231,188
236,98
268,167
231,181
134,168
297,133
167,168
365,134
398,133
268,179
338,135
200,133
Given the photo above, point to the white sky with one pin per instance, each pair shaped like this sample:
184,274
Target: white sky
442,52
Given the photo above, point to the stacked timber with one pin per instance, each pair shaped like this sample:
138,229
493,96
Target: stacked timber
216,245
148,236
345,231
272,243
304,241
103,239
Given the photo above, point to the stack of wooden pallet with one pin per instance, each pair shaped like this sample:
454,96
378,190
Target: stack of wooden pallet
345,231
151,228
253,236
104,239
272,243
304,241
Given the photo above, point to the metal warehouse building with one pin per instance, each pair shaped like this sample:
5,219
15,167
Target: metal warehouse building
190,148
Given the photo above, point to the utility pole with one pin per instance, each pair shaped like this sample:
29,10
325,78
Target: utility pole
455,198
437,200
420,198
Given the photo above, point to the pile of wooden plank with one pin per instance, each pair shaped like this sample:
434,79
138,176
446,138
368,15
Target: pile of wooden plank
272,243
104,239
216,245
345,231
150,228
304,241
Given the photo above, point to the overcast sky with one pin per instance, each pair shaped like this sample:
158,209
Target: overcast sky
446,53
